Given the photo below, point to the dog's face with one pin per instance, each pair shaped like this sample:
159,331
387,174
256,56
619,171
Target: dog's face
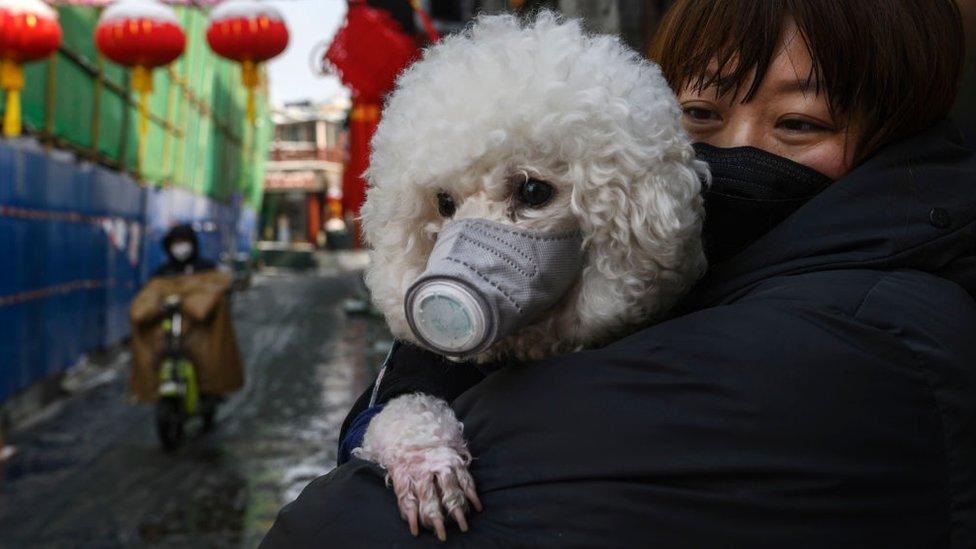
539,127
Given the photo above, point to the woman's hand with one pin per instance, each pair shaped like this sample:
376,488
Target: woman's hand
419,442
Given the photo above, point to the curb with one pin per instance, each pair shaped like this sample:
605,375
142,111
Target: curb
7,452
45,398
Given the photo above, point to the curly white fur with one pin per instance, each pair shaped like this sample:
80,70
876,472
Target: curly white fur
419,442
478,114
413,422
588,115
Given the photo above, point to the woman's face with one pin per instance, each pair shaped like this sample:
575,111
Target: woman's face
786,117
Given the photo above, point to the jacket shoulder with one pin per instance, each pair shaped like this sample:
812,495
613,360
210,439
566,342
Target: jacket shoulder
901,302
939,304
856,316
851,290
935,319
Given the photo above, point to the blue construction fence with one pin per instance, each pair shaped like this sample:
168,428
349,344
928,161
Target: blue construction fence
77,241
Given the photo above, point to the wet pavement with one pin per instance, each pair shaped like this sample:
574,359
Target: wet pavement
93,474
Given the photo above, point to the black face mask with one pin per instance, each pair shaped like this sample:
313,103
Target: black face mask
752,192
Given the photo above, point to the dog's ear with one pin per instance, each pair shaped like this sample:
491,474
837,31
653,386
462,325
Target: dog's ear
643,240
395,218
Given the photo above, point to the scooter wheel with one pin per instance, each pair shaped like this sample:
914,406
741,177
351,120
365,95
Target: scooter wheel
208,411
169,423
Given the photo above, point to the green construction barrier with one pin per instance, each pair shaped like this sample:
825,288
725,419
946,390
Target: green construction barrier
199,137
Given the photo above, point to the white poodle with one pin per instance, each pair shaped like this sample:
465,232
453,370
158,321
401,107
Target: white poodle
541,177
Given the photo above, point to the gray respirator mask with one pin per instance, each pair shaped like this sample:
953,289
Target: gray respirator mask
485,280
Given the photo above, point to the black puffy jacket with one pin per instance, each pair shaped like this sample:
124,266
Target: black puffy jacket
817,390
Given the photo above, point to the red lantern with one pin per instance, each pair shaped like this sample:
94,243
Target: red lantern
369,51
142,35
29,31
250,33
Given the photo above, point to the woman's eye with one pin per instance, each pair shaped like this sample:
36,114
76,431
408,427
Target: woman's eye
445,205
701,114
534,193
800,126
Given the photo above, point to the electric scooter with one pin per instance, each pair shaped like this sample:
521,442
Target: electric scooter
179,394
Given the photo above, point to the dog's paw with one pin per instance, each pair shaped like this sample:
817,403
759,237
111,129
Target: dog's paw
420,443
432,483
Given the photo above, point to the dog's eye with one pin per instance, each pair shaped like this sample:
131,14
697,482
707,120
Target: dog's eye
534,193
445,205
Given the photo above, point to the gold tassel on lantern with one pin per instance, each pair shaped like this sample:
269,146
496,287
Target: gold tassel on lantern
11,80
142,82
251,80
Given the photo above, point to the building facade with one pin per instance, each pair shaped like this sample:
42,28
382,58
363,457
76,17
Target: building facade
303,182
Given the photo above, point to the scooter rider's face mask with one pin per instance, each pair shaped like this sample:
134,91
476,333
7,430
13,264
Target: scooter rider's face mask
485,280
752,192
181,250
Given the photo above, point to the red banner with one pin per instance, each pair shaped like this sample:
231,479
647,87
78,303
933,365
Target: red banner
363,120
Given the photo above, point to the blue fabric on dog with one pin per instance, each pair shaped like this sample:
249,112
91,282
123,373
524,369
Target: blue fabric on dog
354,436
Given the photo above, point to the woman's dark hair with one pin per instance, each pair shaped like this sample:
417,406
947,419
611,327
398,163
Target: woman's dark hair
890,66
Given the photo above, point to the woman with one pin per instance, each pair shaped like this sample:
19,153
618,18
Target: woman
818,389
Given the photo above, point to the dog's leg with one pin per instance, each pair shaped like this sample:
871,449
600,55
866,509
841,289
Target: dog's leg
419,442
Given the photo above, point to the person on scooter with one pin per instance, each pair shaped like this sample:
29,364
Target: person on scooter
185,354
182,247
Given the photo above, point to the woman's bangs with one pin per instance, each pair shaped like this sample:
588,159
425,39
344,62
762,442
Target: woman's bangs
725,45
